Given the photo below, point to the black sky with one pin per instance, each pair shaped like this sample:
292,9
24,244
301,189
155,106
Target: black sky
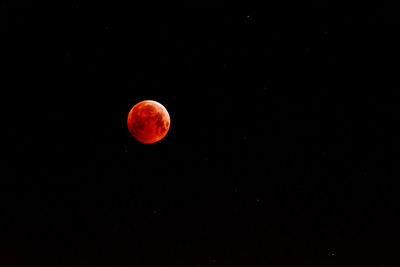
282,149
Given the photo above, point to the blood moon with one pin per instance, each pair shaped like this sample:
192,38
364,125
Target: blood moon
148,121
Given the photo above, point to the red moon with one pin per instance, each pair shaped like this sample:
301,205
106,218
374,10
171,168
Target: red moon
148,121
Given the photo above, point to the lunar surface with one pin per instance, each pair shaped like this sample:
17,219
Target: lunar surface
148,121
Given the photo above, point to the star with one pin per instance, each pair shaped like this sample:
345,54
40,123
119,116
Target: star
331,253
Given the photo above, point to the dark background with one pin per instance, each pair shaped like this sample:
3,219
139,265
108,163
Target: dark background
282,151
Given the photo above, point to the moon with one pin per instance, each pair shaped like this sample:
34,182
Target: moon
148,121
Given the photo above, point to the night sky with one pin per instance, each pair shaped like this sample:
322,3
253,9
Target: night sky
282,151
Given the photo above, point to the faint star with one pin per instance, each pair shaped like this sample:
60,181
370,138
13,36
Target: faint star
331,253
